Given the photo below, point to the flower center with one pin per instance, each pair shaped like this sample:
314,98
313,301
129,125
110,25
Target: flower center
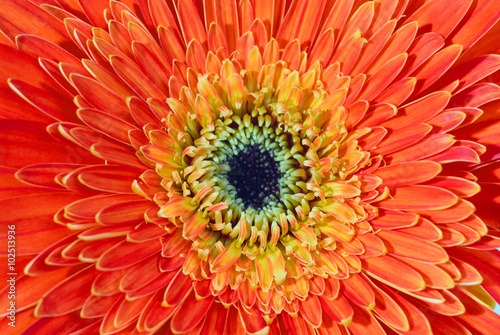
255,176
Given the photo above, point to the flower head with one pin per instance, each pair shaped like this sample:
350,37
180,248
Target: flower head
252,167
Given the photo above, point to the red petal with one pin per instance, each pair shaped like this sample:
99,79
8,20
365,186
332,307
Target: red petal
27,142
154,314
253,321
98,306
141,274
31,289
294,325
216,320
160,282
54,105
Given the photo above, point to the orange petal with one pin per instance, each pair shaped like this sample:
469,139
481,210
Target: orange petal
419,197
373,47
402,138
377,114
338,309
478,21
360,20
403,245
253,321
387,310
434,68
62,298
140,274
323,48
397,44
227,258
408,173
363,322
373,245
311,310
433,275
191,24
179,206
356,289
125,213
195,225
141,84
339,209
100,96
442,15
264,272
388,219
419,324
177,290
125,254
383,77
184,322
419,111
429,146
216,320
452,306
387,270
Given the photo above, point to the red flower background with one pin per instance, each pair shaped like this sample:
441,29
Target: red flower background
117,119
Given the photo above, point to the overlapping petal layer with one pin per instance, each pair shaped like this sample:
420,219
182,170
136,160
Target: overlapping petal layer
117,120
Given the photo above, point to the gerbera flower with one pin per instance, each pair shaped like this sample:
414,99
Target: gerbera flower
251,167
